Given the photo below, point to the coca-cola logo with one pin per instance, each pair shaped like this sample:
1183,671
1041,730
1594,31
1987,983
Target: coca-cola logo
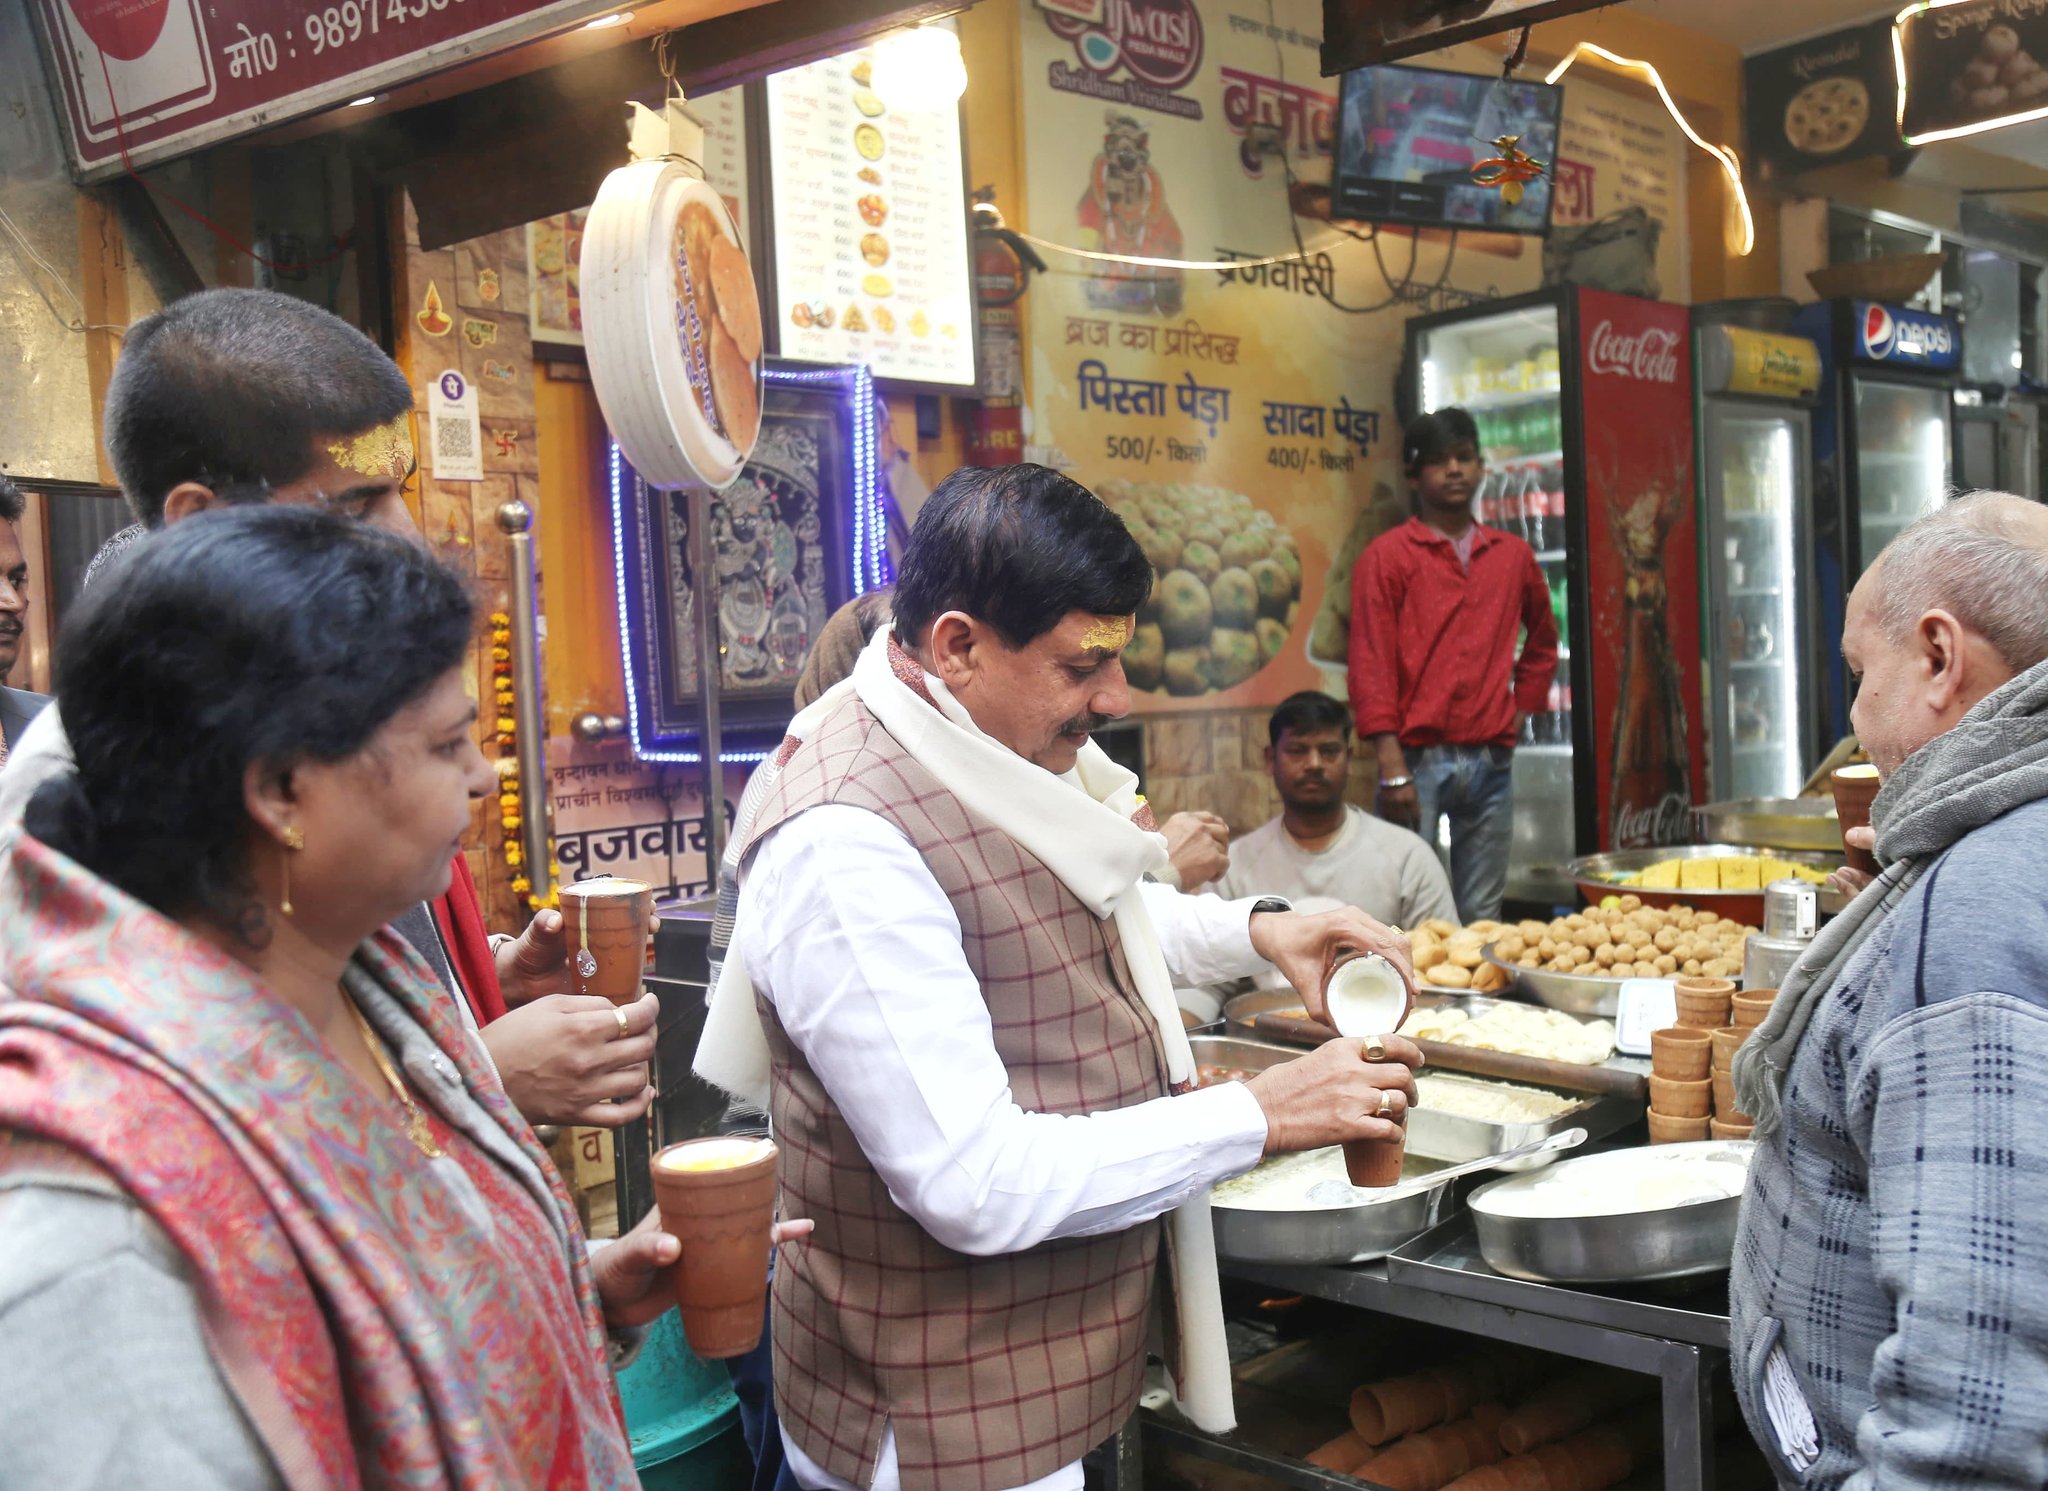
1666,821
1650,354
1155,41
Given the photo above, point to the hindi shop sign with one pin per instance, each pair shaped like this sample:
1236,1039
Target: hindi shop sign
156,79
1970,65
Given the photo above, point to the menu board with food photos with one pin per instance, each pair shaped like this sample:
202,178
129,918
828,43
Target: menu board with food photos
869,227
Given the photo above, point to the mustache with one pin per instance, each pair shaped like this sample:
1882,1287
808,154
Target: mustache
1086,724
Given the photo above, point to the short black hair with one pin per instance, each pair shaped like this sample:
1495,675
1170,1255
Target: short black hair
230,387
253,634
1308,710
12,504
1017,547
1431,437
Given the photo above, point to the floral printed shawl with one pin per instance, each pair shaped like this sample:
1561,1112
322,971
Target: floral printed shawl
344,1292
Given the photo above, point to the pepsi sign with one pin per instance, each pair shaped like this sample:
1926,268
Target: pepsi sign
1907,338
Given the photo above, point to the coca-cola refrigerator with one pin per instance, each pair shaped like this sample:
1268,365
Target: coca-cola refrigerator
1584,405
1756,504
1882,451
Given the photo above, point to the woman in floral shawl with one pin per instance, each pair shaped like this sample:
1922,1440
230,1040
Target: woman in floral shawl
266,1216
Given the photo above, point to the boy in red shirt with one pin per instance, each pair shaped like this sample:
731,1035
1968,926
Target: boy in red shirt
1434,680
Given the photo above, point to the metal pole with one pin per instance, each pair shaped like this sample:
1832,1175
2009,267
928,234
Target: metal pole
710,677
515,521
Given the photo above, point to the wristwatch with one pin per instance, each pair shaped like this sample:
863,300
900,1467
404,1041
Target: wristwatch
1269,903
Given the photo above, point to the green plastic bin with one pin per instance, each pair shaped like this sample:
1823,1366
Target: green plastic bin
682,1416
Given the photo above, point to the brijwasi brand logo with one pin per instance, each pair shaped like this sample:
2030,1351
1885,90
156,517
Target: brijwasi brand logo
1138,53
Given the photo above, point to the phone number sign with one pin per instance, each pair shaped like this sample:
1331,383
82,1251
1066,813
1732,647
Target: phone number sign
159,78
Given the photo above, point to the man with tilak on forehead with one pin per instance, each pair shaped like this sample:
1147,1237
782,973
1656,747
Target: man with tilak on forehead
951,983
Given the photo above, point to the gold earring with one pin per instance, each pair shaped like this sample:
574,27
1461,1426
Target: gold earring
294,841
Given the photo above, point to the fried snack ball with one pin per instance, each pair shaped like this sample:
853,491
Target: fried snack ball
1451,976
1511,946
1433,956
1436,926
1466,954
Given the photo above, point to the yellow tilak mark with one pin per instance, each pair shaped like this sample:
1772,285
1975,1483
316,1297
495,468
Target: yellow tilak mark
384,451
1109,632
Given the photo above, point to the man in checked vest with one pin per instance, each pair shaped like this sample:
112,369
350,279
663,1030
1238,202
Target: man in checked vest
953,985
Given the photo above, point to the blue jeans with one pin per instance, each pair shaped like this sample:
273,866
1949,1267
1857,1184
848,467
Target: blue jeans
753,1382
1473,786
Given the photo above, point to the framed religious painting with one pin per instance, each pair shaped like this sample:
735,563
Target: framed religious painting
796,536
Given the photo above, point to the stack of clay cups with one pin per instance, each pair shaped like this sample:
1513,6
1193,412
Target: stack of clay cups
1749,1009
1681,1090
1681,1085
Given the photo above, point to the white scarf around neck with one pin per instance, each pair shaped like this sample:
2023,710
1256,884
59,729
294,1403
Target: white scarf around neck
1079,827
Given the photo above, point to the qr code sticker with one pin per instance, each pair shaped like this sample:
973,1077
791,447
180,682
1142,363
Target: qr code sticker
454,442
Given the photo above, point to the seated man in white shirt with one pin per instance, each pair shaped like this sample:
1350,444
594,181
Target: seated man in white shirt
952,984
1323,846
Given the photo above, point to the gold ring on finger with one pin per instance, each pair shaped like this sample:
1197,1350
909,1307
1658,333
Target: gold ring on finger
619,1014
1375,1049
1386,1107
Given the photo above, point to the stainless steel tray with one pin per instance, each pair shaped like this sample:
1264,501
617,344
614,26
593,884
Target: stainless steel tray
1450,1137
1807,823
1673,1242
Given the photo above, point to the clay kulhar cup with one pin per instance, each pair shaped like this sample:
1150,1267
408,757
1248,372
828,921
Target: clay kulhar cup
604,923
717,1198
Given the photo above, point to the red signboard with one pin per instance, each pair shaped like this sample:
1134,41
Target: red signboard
163,77
1643,552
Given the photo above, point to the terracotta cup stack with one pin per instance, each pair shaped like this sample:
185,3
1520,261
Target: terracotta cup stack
1704,1003
1730,1122
1681,1084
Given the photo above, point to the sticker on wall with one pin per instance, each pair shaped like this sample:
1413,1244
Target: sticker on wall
454,434
500,372
432,319
479,333
487,288
507,442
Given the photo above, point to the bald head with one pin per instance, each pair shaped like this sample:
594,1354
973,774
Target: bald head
1954,607
1984,560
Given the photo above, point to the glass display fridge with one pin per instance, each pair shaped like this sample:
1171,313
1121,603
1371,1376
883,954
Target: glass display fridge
1755,464
1881,450
1585,411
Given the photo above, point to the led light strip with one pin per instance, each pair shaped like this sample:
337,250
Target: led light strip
1730,165
1899,64
870,559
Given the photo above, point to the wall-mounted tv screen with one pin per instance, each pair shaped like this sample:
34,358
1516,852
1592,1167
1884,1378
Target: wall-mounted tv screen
1410,136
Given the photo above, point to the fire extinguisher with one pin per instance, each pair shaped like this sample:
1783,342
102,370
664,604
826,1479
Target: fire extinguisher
1003,263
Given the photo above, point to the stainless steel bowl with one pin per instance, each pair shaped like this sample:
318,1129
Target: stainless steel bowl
1672,1242
1599,875
1574,993
1336,1234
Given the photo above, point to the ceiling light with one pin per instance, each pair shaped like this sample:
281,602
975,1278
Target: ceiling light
1745,234
616,18
367,98
919,69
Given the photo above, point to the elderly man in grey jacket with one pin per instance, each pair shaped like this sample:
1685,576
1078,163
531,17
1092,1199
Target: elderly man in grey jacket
1890,1289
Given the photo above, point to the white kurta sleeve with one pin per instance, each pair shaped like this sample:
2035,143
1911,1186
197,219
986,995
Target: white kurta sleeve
1206,939
846,932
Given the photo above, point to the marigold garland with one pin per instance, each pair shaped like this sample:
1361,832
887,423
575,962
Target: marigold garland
511,812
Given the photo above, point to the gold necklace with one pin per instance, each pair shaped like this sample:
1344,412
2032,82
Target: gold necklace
415,1121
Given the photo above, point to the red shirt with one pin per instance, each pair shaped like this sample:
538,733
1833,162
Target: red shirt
1433,645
